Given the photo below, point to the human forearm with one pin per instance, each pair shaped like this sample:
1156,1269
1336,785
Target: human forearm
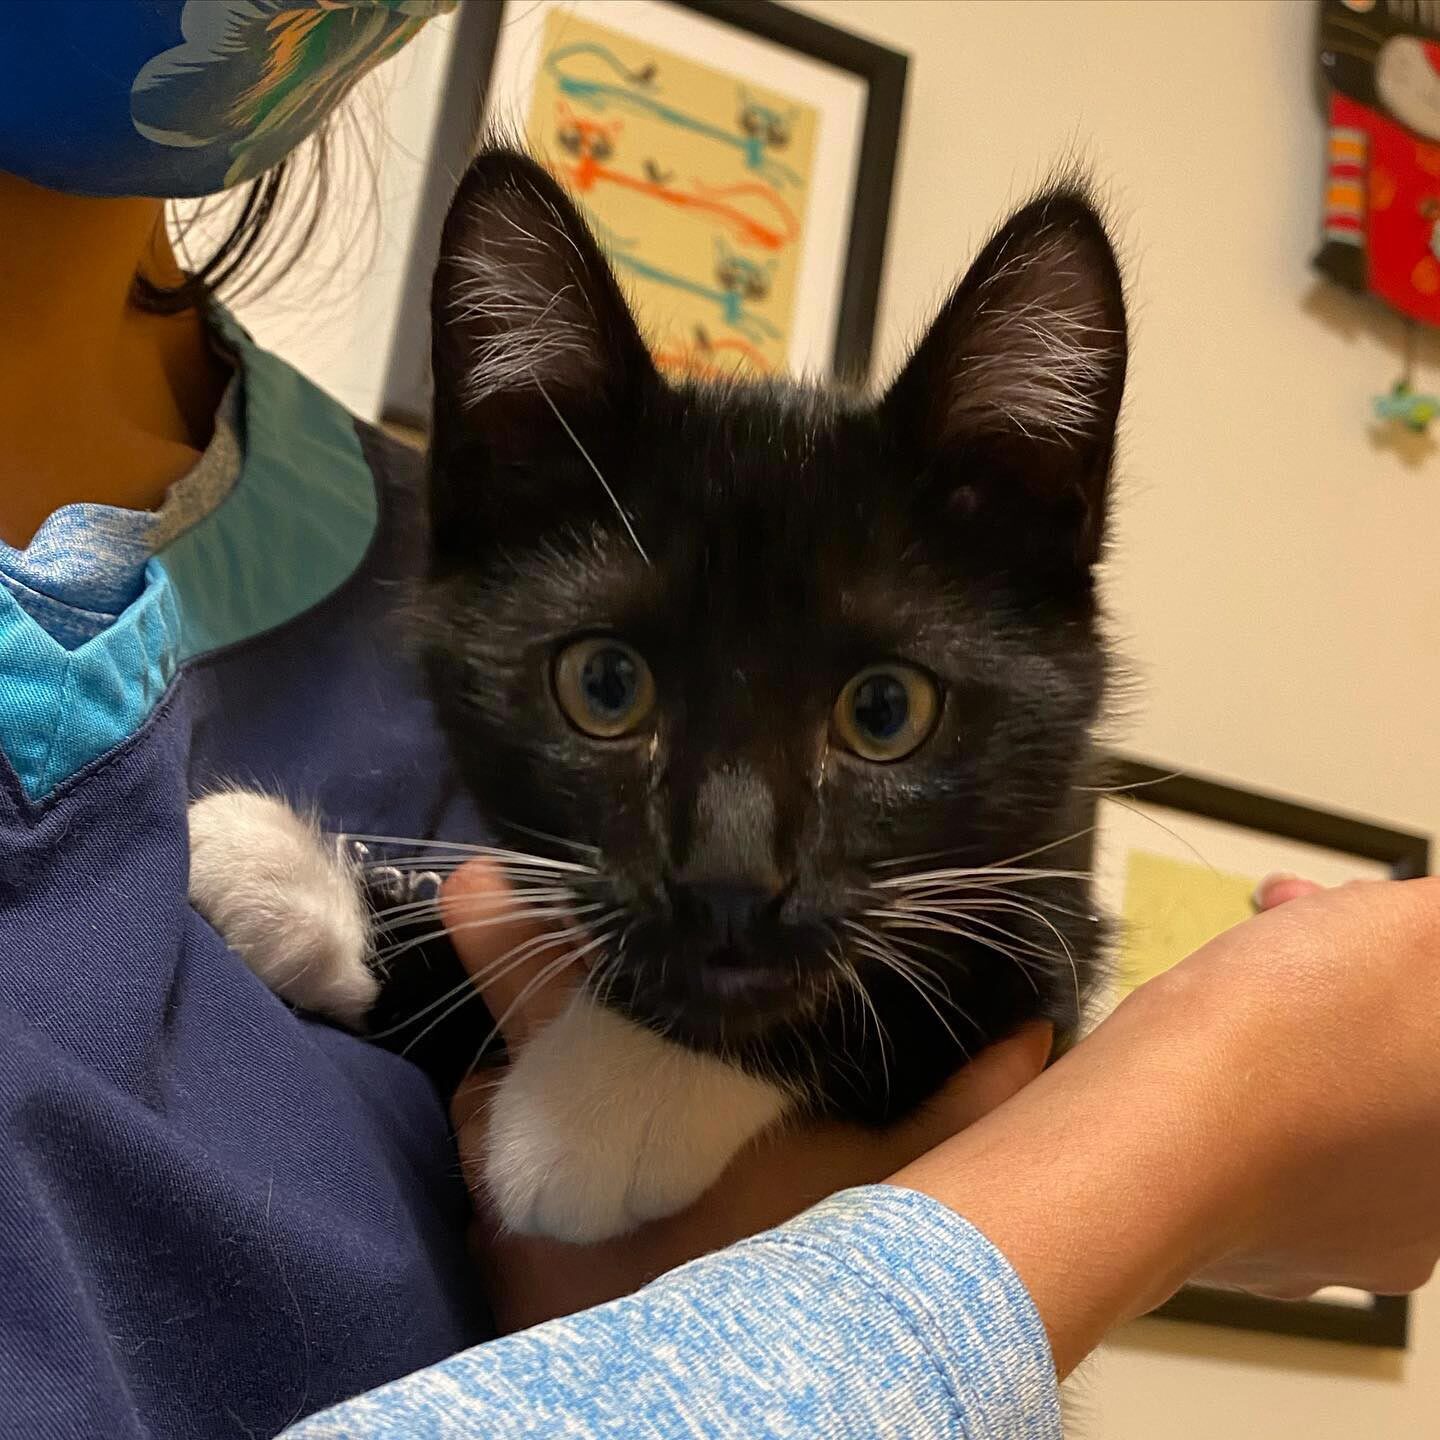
1266,1116
876,1312
1096,1182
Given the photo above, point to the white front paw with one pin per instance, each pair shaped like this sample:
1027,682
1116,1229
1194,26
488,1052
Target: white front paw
284,900
600,1125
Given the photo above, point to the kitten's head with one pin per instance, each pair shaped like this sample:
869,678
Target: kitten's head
759,656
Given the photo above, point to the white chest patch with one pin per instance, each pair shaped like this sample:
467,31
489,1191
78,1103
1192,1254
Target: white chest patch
600,1125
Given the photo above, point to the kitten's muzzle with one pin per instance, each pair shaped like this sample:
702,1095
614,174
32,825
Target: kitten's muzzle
724,961
729,912
730,929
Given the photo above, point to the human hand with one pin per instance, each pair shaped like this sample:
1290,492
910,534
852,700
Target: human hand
1266,1115
1385,1068
1279,889
532,1279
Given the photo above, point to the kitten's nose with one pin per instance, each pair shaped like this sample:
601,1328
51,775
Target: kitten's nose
727,909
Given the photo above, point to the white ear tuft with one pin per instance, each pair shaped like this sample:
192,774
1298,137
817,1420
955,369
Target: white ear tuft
522,304
1010,402
1040,349
525,304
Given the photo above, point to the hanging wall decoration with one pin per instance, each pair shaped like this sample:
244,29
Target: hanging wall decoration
1380,63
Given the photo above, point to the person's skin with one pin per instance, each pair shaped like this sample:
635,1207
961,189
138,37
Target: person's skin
1266,1116
99,401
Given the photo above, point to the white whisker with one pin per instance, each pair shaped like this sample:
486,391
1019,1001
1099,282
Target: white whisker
518,902
614,499
543,978
462,852
994,865
975,877
863,997
869,944
987,942
512,961
390,953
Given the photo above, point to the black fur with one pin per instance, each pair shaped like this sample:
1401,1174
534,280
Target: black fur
791,536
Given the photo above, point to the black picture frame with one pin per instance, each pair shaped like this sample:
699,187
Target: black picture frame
1385,1325
405,403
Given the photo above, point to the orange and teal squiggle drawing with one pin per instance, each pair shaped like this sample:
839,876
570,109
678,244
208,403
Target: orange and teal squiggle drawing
591,143
730,301
752,142
740,279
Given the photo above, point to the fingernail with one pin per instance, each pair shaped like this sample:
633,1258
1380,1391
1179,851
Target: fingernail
1276,877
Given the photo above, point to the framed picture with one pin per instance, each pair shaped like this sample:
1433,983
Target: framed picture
735,157
1177,860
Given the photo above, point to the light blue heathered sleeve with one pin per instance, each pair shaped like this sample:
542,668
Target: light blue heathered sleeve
877,1313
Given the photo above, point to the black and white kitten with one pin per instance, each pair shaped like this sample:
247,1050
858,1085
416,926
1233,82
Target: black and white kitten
802,684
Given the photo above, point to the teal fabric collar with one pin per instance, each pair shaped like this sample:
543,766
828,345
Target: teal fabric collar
292,531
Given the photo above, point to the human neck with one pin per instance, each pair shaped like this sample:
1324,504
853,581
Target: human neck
99,401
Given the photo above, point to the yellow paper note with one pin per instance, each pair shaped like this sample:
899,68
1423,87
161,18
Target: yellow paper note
1172,907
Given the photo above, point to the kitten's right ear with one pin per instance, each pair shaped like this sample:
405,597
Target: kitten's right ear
527,319
1010,401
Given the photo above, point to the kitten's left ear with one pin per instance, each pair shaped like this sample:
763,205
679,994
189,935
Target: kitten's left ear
1010,401
529,325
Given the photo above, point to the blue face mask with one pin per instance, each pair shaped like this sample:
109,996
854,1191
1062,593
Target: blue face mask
180,98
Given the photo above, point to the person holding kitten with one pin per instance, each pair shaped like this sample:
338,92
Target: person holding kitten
218,1215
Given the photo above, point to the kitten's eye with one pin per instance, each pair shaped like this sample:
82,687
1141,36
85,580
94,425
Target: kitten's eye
887,711
603,686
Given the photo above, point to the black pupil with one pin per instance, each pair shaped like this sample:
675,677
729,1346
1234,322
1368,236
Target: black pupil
881,707
609,681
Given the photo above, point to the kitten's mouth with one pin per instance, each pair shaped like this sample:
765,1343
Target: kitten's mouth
733,978
711,994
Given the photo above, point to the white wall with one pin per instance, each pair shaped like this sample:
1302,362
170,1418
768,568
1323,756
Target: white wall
1275,575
